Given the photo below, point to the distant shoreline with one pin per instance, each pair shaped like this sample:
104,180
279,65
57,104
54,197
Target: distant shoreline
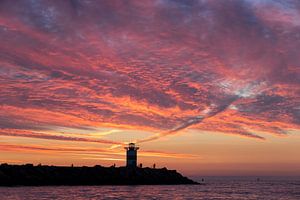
43,175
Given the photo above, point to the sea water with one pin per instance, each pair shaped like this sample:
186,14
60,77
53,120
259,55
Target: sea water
213,188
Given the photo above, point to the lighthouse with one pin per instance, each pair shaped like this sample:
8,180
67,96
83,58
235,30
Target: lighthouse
131,155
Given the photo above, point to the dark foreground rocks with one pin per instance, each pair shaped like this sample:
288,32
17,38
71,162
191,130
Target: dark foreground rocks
29,175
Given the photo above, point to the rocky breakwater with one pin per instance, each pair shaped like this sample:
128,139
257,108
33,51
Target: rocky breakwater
41,175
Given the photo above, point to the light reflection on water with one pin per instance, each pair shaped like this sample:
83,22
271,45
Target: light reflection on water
213,189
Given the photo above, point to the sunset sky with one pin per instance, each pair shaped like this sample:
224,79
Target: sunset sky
208,87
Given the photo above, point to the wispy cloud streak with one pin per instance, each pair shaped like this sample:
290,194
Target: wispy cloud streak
29,134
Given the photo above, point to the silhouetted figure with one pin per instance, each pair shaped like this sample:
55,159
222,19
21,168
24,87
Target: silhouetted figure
141,165
72,165
202,180
154,166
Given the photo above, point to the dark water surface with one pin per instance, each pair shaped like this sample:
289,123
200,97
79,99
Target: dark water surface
215,188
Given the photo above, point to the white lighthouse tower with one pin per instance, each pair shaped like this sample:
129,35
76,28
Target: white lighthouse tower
131,155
